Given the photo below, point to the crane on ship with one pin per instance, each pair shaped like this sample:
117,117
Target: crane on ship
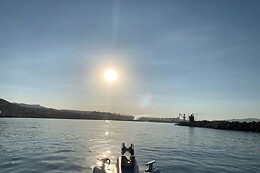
183,116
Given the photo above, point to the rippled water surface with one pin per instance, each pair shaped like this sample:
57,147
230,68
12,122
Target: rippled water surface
53,145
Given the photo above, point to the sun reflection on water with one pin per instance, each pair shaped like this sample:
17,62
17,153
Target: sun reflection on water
107,133
105,146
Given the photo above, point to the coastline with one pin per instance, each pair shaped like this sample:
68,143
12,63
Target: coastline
224,125
14,110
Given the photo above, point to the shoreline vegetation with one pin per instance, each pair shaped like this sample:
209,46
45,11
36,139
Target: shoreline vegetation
15,110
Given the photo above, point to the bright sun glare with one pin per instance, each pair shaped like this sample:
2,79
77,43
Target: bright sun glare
110,75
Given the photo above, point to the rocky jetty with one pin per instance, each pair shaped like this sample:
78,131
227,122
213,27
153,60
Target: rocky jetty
225,125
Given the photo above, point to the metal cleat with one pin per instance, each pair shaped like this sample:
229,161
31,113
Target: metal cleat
151,168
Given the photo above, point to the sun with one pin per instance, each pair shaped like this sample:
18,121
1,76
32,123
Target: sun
110,75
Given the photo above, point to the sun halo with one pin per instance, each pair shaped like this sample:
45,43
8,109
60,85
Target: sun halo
110,75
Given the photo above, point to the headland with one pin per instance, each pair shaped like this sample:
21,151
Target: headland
15,110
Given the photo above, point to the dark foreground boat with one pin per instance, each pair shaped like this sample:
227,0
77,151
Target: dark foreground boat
126,163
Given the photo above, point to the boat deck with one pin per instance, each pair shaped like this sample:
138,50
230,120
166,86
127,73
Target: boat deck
135,169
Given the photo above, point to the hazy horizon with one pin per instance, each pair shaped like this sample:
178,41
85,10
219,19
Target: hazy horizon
171,56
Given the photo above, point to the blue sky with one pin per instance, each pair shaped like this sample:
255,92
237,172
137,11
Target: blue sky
172,56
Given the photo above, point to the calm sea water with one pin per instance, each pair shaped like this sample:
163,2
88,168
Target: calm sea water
53,145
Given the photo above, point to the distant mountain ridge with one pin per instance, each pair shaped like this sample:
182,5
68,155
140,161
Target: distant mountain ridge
21,110
245,120
37,106
164,120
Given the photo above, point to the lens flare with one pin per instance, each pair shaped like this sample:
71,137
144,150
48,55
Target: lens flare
146,100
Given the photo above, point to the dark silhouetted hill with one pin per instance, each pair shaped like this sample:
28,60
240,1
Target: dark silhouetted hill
36,111
245,120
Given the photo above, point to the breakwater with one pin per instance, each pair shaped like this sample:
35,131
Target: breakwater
225,125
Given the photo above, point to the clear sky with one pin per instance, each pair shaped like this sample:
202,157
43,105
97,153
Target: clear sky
172,56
